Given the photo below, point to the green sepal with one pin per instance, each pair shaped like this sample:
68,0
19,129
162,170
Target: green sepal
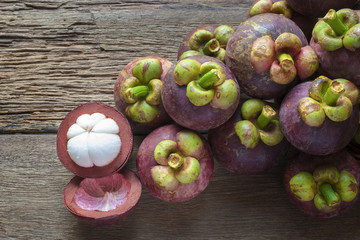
252,108
208,66
162,151
262,6
142,112
154,96
341,111
311,112
272,134
147,69
198,38
198,95
351,39
189,171
222,33
247,133
326,173
189,54
185,71
351,90
347,186
189,143
318,87
164,177
226,95
303,186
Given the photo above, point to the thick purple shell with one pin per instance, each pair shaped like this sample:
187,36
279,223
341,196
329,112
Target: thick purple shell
341,63
318,8
186,114
303,162
330,137
235,157
145,161
184,45
238,50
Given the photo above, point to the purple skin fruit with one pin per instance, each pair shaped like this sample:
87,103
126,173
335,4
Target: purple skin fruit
325,139
229,151
199,115
304,163
340,60
209,39
238,54
145,115
200,150
318,8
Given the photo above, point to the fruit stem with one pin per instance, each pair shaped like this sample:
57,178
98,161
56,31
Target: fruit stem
333,93
286,61
335,23
331,197
175,161
267,114
211,47
139,91
209,78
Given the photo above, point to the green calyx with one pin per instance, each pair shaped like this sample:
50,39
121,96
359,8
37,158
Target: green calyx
205,83
338,29
177,161
284,58
327,98
142,91
268,6
326,187
203,42
259,123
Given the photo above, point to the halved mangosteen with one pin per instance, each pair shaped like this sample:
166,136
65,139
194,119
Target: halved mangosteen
103,201
94,140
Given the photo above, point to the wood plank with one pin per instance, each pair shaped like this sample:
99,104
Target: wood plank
56,55
233,206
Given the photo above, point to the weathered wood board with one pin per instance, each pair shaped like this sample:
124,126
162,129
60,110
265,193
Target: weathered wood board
56,55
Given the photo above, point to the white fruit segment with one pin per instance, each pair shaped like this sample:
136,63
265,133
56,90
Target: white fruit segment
93,140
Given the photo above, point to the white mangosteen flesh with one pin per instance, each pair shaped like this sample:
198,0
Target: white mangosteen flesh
93,140
104,194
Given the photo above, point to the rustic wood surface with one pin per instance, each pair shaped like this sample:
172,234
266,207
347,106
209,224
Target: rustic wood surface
56,55
231,207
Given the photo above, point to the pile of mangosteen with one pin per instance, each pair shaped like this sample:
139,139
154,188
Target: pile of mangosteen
285,78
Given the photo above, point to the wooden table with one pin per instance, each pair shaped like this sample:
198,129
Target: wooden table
56,55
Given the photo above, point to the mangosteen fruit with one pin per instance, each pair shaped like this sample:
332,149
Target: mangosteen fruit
268,53
251,141
320,117
318,8
94,140
305,23
175,164
209,40
336,42
354,145
103,201
323,186
200,92
137,93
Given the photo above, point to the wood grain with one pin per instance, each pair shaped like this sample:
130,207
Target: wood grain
56,55
233,206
